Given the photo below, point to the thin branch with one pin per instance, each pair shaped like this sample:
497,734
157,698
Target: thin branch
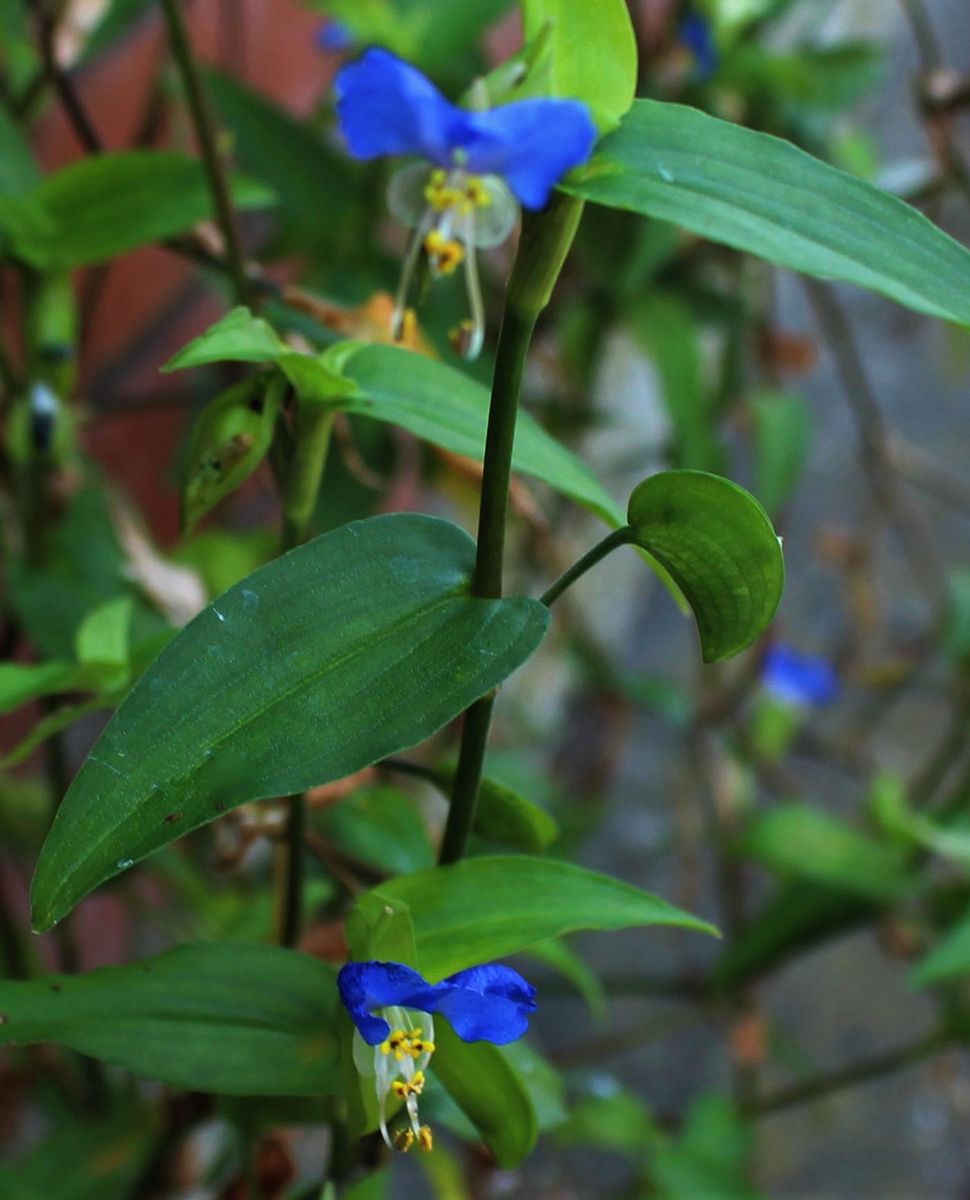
846,1077
205,133
61,82
874,445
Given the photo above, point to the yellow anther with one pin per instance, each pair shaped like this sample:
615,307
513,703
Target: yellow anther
447,253
425,1140
398,1044
404,1140
476,193
419,1047
402,1088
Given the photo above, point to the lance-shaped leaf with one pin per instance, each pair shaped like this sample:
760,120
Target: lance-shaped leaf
762,195
217,1017
350,648
484,908
718,545
100,207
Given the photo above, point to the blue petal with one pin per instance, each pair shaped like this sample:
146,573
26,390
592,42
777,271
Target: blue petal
386,106
364,986
530,143
488,1003
799,678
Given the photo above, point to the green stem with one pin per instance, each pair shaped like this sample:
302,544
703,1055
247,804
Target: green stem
215,166
544,243
313,430
619,537
300,491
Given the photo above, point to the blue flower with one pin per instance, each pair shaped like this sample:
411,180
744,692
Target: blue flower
799,679
695,33
476,165
392,1007
386,106
335,37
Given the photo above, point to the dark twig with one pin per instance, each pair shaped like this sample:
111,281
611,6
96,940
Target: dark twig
60,81
205,133
874,445
846,1077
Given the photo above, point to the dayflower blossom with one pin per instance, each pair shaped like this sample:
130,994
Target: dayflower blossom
696,34
476,165
801,680
392,1005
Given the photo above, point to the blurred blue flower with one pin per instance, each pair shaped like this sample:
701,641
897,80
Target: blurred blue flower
696,34
799,679
392,1005
335,37
476,166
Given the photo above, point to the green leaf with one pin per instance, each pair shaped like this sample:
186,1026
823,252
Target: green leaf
102,636
555,953
18,171
484,908
101,207
449,409
82,1160
668,330
799,841
22,682
237,337
352,647
433,401
489,1091
949,959
235,1019
381,827
763,196
718,545
230,438
506,818
592,53
782,433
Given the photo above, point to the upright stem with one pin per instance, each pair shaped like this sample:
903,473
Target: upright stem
215,166
313,428
543,246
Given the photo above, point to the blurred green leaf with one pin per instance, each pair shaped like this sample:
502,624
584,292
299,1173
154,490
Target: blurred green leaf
829,78
234,1019
709,1159
356,645
490,1091
949,959
956,633
484,908
669,332
762,195
18,171
718,545
381,827
782,433
82,1160
616,1121
555,953
592,51
802,842
104,206
102,636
